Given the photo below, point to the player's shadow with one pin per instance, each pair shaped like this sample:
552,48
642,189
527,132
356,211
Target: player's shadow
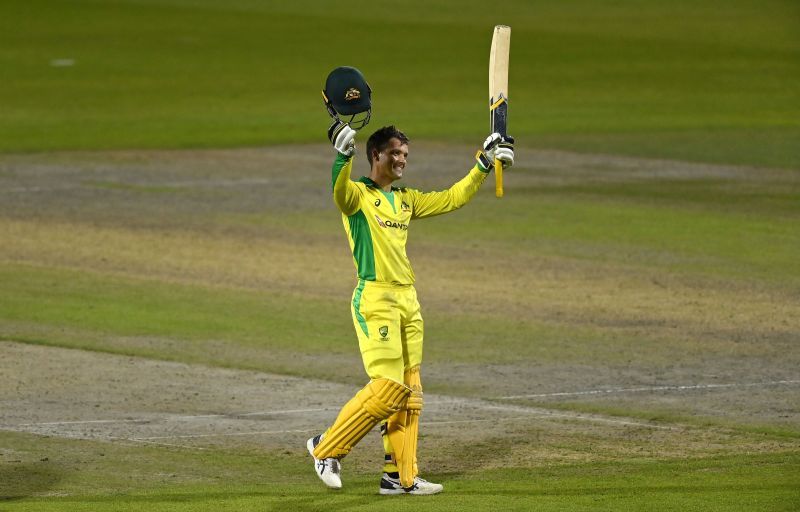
18,480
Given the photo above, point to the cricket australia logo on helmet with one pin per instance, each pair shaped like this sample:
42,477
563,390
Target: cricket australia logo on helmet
352,94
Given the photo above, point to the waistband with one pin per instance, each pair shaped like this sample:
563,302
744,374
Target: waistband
363,283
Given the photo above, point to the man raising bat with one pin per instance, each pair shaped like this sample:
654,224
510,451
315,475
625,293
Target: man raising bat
384,306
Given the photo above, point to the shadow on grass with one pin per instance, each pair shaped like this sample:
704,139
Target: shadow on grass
292,499
18,481
297,499
633,490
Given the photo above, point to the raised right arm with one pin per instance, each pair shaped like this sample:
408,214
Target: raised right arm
346,194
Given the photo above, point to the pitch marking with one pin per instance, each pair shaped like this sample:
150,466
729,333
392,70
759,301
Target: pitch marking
651,389
477,403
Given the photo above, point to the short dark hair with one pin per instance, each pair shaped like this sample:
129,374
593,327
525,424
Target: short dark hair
380,140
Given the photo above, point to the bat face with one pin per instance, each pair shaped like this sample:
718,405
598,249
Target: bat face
498,79
498,62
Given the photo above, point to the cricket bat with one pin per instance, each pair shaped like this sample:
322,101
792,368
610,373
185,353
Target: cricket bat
498,93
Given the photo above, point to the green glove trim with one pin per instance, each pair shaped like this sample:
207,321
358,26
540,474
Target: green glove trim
484,164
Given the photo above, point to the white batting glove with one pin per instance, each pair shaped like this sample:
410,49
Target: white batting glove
342,137
498,148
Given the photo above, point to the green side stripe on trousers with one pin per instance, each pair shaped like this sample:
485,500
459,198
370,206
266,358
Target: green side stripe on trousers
357,306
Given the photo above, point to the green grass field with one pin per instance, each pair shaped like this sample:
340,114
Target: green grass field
619,332
708,81
253,482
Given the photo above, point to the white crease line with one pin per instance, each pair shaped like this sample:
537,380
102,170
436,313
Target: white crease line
651,389
555,415
432,404
40,189
566,415
291,411
235,415
175,418
82,422
423,424
456,422
192,436
476,403
306,431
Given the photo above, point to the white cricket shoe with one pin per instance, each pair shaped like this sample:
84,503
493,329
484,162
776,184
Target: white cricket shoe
328,470
390,484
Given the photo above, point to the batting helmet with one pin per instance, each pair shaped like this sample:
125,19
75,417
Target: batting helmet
347,93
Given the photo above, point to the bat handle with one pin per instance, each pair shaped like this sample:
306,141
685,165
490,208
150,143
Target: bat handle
498,178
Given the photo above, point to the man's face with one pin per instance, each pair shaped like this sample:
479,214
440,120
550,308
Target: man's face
391,161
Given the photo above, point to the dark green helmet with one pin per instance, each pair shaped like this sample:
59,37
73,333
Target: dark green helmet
347,93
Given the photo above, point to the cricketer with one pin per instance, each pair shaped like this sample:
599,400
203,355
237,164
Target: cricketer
384,306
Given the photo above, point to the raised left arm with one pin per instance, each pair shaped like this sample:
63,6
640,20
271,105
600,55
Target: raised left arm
428,204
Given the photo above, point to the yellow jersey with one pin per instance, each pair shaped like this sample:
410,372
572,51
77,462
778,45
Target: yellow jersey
376,221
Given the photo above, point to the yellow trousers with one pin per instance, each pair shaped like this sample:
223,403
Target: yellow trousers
389,325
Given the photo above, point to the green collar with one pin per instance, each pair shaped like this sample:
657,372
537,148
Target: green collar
371,184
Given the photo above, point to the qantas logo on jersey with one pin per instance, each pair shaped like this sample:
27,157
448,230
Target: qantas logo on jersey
391,224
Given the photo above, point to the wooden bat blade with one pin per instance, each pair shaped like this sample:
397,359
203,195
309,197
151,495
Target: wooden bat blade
498,93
